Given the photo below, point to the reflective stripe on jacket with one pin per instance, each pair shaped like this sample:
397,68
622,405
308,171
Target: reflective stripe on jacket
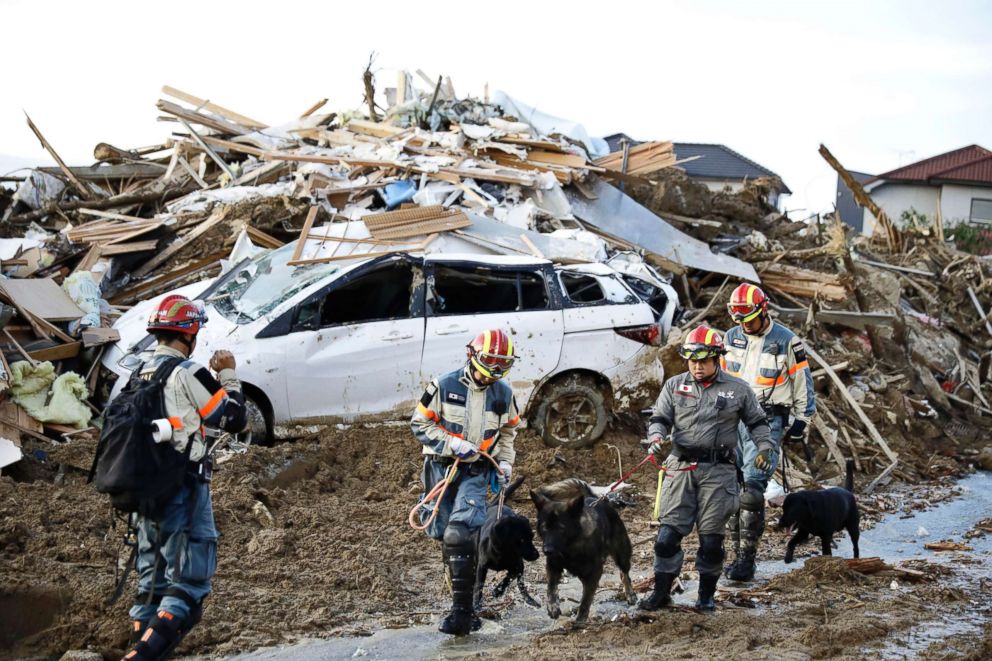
774,364
455,406
193,398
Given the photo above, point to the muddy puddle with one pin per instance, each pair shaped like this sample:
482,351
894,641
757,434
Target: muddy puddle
896,538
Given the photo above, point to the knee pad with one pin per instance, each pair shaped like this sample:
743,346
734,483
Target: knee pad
753,498
711,548
458,535
668,543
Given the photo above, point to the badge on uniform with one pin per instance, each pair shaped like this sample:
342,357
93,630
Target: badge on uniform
455,397
686,389
739,343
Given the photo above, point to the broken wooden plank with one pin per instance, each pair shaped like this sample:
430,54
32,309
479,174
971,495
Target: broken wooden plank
338,258
946,545
237,118
304,233
194,117
829,437
83,191
416,221
215,219
108,250
20,349
980,310
260,238
59,352
163,282
861,196
210,152
41,297
842,389
93,337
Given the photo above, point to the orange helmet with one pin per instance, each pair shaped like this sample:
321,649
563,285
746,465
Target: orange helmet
746,303
179,314
702,342
491,352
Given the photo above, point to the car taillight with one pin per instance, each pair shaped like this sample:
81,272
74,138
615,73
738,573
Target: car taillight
649,334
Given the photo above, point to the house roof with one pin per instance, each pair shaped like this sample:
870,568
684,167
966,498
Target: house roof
971,164
614,141
720,162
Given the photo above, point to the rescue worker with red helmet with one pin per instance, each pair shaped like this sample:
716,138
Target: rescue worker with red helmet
461,415
177,549
771,359
700,409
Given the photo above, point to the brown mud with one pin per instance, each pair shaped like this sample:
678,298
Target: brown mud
314,543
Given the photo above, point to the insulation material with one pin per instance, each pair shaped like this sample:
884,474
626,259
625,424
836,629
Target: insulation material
50,399
83,290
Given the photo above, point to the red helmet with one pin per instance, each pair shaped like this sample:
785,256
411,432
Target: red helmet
746,303
491,352
702,342
178,313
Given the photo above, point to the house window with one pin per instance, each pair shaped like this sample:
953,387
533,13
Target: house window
981,211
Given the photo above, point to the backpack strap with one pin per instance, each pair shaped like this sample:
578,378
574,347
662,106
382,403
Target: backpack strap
164,371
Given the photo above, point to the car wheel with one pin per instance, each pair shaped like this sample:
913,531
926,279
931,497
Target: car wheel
572,413
259,422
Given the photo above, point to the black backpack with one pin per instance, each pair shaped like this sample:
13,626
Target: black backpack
137,473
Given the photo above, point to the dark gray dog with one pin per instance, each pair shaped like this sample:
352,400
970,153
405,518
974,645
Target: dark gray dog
822,513
579,531
505,541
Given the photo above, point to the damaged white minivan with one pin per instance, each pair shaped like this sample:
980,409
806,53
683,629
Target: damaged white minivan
358,339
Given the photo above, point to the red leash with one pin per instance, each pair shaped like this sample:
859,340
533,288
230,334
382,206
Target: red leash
653,460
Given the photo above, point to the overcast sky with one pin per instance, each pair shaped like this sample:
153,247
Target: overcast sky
881,83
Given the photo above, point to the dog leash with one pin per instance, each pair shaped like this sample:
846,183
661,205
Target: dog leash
437,493
650,458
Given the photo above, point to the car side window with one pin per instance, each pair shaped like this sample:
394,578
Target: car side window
582,288
475,290
376,295
595,289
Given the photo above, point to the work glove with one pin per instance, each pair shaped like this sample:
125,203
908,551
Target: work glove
763,462
797,432
507,469
656,449
462,448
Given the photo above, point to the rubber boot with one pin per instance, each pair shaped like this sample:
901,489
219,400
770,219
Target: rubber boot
461,619
707,588
662,594
752,525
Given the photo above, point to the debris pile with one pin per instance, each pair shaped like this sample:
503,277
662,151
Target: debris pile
899,326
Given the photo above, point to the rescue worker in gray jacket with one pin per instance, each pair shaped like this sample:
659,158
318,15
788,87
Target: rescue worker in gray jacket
462,414
701,409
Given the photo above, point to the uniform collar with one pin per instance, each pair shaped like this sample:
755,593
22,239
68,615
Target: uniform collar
467,379
165,350
719,377
771,324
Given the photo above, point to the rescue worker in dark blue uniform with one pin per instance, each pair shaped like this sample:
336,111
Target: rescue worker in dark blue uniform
461,414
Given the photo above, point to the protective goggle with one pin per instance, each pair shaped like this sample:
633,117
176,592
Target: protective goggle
492,364
743,312
698,352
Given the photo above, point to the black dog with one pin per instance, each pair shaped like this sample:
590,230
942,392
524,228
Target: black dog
821,513
505,541
579,531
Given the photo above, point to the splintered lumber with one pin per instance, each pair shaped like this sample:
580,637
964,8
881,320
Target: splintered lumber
645,158
161,283
829,437
868,424
946,545
59,352
123,200
415,222
213,107
194,117
84,192
215,219
861,196
802,282
980,310
420,247
876,565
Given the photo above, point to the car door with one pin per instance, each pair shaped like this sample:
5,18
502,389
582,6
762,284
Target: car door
358,344
465,298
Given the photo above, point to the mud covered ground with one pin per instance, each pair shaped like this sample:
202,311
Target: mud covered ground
314,543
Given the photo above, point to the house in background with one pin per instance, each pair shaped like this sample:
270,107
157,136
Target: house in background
847,207
716,166
955,187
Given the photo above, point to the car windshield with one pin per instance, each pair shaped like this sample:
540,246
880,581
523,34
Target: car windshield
264,283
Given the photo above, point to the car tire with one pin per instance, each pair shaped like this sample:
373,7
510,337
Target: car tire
259,420
572,413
